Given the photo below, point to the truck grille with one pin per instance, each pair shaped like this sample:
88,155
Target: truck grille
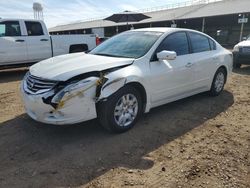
246,49
36,85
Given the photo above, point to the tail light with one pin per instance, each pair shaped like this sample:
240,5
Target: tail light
98,41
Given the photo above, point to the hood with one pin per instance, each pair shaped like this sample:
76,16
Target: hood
64,67
244,43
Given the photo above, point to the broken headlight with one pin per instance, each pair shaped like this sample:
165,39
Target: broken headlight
73,87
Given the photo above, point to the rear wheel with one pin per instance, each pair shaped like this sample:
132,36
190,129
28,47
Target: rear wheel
218,82
121,111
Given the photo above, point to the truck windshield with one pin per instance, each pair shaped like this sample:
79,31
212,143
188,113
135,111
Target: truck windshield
131,44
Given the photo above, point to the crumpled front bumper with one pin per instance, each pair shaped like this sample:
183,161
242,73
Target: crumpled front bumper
78,109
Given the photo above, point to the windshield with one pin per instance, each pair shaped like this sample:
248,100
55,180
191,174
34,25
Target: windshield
133,44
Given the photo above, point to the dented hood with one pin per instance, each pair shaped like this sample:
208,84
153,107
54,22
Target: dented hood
64,67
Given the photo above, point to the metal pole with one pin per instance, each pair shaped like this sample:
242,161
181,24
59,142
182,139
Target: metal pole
203,25
242,28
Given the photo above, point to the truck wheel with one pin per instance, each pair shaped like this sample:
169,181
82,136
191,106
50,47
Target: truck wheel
121,110
78,48
218,82
236,65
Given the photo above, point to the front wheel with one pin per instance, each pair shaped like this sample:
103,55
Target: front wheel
218,82
121,110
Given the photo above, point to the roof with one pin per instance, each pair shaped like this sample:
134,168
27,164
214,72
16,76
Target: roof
156,29
18,19
225,7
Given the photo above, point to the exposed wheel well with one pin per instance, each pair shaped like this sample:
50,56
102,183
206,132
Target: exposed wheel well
78,48
142,92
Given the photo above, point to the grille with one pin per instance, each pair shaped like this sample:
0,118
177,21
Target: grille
246,49
39,85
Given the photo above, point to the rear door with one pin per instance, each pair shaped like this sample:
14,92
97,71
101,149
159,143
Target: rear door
171,79
12,43
38,41
204,57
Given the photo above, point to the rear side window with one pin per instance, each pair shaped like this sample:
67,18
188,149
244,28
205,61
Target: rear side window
212,44
199,42
177,42
10,29
34,28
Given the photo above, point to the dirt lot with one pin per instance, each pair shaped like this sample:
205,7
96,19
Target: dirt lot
196,142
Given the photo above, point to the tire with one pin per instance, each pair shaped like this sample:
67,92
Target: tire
115,103
236,65
219,81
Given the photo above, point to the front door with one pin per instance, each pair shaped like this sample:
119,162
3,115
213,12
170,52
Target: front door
172,79
13,47
38,42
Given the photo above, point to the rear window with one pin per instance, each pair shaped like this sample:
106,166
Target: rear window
199,42
34,28
212,44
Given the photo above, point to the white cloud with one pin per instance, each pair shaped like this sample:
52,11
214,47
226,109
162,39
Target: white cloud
127,7
64,11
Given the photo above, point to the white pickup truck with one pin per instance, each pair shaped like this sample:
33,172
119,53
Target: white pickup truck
28,41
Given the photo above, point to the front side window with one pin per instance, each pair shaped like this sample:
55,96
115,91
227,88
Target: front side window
176,42
199,42
34,28
132,44
10,29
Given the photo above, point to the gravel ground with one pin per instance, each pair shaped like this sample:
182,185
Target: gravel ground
200,141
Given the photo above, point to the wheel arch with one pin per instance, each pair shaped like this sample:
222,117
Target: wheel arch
225,69
139,87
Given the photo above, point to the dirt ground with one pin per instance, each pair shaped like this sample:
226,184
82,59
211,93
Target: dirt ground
200,141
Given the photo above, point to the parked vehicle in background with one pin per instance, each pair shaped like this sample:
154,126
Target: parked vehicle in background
241,53
126,76
28,41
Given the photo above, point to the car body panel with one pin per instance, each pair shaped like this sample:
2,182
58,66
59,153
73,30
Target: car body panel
67,66
163,80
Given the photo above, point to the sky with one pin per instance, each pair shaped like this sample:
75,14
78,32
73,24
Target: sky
57,12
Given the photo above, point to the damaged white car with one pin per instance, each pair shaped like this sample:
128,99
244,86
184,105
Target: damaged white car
125,76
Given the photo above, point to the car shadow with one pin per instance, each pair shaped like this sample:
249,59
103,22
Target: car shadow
244,70
35,154
12,75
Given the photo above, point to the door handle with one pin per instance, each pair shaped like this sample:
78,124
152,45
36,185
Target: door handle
43,40
188,65
19,40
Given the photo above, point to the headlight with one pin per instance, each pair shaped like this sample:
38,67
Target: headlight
78,86
236,48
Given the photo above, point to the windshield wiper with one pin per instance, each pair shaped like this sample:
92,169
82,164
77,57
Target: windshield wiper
108,55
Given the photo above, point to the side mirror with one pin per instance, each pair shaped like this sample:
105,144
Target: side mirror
166,55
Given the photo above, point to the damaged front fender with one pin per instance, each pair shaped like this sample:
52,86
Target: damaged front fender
110,87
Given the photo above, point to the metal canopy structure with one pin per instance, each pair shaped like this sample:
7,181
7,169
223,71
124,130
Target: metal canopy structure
201,9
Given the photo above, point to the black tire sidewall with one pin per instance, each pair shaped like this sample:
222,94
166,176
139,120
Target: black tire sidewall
108,108
213,91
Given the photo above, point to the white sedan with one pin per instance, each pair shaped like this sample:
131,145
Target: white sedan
125,77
